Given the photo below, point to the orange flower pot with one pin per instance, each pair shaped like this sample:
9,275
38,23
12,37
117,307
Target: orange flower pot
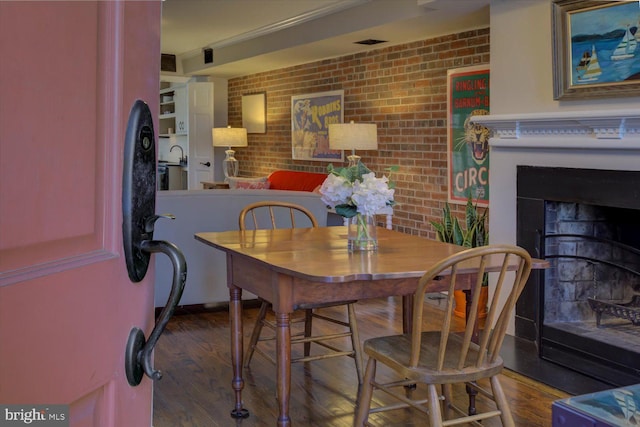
461,303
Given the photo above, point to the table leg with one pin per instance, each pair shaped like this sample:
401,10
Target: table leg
407,313
407,323
283,346
235,314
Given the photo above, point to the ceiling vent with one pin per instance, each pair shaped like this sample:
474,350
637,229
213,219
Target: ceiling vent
370,42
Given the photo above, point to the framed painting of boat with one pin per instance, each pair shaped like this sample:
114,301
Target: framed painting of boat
596,50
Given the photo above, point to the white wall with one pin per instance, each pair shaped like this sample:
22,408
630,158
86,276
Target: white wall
220,120
210,210
521,62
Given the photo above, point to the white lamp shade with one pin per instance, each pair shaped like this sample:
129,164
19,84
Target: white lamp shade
353,136
229,137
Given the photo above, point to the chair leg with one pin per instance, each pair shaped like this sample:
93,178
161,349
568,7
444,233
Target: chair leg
366,392
308,328
447,391
501,402
255,335
435,415
355,341
472,392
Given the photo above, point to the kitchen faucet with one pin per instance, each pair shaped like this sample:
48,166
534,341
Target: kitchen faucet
183,159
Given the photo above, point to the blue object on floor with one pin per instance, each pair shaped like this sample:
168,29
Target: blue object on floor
608,408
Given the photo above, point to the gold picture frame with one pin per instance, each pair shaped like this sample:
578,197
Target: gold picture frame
596,50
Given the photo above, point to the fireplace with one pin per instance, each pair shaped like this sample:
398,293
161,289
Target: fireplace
586,314
573,157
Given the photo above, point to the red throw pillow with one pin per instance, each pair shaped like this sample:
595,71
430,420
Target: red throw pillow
295,180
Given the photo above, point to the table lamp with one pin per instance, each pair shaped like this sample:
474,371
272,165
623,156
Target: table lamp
229,137
352,136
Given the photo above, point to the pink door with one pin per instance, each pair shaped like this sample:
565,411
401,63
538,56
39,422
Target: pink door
69,74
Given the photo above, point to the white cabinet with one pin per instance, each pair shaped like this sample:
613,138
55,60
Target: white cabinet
167,122
182,110
186,120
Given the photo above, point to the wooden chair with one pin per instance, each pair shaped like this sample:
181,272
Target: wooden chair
443,357
272,214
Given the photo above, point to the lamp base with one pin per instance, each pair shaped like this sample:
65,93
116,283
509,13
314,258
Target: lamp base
353,160
229,165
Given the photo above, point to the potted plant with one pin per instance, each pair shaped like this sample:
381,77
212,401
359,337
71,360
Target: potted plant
472,234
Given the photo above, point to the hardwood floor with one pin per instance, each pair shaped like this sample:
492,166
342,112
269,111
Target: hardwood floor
194,357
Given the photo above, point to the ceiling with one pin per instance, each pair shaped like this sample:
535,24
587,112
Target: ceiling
252,36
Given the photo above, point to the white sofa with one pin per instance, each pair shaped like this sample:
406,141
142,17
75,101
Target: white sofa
210,210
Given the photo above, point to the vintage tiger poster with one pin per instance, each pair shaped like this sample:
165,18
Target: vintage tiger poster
468,144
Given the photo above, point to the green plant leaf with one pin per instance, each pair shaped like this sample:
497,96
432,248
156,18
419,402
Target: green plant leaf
470,236
475,232
483,232
390,170
447,223
471,214
458,234
439,230
347,211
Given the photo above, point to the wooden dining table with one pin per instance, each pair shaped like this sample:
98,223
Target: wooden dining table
292,267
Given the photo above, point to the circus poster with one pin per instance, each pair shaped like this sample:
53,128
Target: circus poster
311,116
468,143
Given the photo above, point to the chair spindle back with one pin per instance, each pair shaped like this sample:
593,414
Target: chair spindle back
512,266
266,214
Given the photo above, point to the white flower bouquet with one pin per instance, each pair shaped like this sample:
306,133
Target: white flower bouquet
354,191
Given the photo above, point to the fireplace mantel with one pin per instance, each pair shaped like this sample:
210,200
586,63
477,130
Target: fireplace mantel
583,140
593,129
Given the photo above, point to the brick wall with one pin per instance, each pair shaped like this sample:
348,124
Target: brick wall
400,88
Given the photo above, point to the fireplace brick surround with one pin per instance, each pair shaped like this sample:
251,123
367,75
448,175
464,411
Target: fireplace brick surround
587,140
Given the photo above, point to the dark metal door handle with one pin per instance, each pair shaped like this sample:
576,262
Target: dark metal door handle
208,164
138,352
138,219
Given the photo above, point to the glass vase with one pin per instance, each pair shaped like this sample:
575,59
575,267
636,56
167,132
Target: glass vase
362,233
